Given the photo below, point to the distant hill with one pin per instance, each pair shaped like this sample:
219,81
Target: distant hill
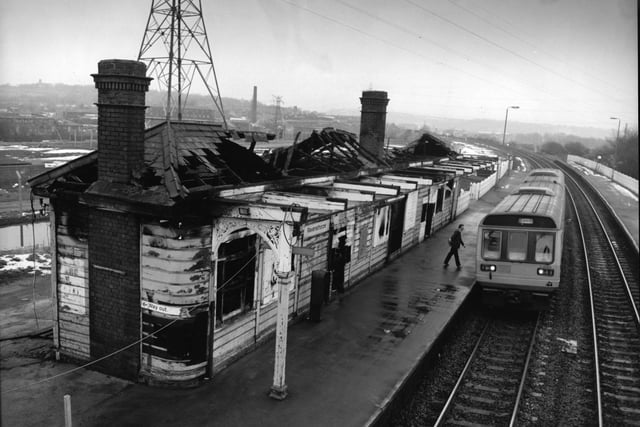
492,127
46,97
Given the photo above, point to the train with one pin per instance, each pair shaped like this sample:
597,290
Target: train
519,250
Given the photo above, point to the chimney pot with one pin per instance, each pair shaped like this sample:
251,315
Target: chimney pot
373,121
121,88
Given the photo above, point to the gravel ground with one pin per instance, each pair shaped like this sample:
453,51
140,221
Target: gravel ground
430,396
561,385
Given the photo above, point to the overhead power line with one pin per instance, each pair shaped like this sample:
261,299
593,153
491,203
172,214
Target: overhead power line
533,45
403,48
499,46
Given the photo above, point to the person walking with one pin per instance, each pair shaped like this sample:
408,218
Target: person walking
454,242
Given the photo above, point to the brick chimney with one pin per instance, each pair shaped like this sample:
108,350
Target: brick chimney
254,106
121,88
373,121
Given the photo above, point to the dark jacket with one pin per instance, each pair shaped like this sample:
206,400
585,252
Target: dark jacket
456,239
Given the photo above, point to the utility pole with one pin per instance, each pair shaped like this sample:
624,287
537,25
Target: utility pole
506,116
19,191
175,48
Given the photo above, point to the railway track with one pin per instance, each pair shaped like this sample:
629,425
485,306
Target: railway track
489,388
614,311
620,241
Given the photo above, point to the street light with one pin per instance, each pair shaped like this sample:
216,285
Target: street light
615,147
506,116
618,134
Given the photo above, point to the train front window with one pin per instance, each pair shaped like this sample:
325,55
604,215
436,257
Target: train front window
491,244
544,247
517,246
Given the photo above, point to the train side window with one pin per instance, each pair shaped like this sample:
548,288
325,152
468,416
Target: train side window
517,246
491,244
544,247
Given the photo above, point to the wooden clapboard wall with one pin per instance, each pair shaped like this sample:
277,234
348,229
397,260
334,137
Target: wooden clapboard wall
411,226
362,248
175,275
245,332
441,219
319,242
72,257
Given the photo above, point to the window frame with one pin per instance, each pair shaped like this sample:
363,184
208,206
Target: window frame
249,286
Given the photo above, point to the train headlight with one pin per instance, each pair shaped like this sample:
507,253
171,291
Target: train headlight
545,271
487,267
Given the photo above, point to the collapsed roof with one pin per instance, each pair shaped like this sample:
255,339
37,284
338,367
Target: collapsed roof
427,145
328,151
183,158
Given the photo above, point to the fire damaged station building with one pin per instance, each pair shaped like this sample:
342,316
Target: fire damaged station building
171,242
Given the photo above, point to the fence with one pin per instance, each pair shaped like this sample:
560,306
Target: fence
626,181
21,236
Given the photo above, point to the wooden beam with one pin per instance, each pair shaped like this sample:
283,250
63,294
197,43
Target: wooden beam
316,203
402,183
386,190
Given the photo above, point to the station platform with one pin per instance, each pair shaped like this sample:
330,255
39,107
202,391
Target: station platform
341,371
623,201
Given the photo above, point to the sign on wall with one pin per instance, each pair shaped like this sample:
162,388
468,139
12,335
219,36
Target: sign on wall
316,228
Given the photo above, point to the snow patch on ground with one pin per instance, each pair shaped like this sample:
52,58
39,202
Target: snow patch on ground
25,262
624,191
69,151
22,147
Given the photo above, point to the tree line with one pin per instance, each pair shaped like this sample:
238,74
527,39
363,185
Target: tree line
620,154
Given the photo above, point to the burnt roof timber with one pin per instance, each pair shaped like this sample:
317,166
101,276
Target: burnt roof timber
316,203
464,168
352,195
402,183
455,171
435,176
465,164
235,208
419,180
64,169
389,190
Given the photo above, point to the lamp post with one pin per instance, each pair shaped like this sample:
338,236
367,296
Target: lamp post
615,146
506,116
617,134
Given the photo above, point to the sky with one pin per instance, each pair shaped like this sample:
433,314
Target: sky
564,62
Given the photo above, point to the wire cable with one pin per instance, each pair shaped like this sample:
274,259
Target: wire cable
120,350
499,46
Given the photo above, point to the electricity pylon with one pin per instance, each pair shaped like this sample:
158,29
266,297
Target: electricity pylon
175,47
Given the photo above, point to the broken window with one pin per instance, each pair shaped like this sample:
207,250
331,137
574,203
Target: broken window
236,277
449,189
440,199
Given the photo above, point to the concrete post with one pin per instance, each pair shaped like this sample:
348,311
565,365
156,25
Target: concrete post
285,279
279,387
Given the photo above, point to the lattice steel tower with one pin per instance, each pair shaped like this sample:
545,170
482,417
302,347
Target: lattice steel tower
175,47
